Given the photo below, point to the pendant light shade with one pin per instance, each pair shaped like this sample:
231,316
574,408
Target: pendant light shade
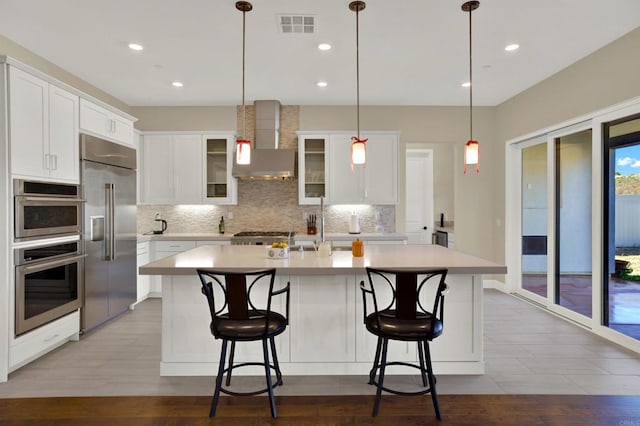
243,145
358,149
472,147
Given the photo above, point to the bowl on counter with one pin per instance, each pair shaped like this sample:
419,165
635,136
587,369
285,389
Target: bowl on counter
278,253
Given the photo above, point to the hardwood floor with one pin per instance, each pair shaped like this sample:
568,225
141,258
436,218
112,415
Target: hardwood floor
325,410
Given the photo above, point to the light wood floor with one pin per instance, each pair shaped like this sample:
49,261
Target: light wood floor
485,410
527,351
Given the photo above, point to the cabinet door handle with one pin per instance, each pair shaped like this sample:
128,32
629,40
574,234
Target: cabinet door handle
54,161
47,162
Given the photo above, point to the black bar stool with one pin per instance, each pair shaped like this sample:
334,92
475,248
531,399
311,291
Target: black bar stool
235,318
404,319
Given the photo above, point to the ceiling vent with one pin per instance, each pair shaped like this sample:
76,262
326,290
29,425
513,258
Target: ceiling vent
297,24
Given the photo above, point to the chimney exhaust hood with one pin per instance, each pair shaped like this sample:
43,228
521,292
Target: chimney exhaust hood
267,161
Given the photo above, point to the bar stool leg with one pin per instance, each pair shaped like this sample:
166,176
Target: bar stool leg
376,360
276,364
383,364
432,380
231,356
267,369
216,393
423,370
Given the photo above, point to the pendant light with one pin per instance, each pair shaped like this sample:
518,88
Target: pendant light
472,147
358,151
243,145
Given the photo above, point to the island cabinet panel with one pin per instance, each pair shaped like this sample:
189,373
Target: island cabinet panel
461,339
323,319
188,347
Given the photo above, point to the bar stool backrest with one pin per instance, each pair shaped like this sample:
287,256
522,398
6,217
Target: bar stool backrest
234,300
407,292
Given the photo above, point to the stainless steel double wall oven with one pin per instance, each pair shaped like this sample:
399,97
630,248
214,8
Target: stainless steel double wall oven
48,272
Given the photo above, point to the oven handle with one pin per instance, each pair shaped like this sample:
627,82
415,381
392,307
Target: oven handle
50,264
55,200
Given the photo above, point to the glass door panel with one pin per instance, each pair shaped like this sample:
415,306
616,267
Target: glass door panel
622,234
534,219
217,168
573,284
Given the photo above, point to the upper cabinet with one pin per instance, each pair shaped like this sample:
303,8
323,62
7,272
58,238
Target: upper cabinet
374,183
171,168
43,129
312,167
220,187
187,169
105,123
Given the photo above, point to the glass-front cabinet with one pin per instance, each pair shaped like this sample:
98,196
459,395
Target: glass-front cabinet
312,167
220,186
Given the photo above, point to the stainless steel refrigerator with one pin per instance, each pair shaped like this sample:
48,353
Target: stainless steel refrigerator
108,178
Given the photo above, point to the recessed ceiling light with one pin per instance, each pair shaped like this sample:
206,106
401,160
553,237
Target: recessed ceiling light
466,84
135,46
324,46
512,47
322,84
177,84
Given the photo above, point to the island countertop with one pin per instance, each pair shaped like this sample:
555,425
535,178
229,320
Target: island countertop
239,258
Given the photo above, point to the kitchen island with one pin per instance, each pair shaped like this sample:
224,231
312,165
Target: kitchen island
326,334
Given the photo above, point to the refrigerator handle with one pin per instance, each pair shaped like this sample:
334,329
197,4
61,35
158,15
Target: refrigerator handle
110,245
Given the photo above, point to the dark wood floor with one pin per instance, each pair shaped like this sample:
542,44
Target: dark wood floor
325,410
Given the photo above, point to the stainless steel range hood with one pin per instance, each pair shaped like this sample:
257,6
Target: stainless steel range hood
267,161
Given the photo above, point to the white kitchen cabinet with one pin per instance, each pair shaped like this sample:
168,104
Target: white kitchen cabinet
160,250
43,129
172,168
143,281
374,183
38,342
220,187
137,139
104,123
323,319
312,167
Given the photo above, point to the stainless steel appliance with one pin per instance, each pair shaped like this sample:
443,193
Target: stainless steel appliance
45,209
108,178
257,238
48,283
441,238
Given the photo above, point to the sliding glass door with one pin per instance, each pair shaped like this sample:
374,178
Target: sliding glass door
621,183
556,223
573,283
534,223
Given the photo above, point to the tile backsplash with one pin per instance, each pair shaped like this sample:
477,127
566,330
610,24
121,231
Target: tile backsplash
269,210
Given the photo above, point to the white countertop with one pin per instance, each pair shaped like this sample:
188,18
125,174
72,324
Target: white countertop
195,236
238,258
214,236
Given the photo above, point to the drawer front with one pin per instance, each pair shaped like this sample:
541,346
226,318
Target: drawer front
36,343
142,248
174,246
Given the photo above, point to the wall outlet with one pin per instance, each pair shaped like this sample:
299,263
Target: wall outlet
304,215
230,214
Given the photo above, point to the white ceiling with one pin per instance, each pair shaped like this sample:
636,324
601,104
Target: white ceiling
412,52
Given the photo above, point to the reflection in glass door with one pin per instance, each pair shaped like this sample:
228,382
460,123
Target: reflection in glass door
621,310
534,219
573,269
